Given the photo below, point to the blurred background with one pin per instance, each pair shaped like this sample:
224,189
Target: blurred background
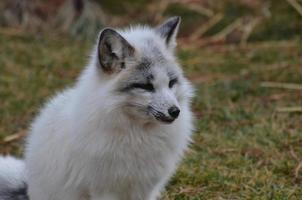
212,21
243,56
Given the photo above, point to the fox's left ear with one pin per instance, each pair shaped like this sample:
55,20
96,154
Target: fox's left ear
168,31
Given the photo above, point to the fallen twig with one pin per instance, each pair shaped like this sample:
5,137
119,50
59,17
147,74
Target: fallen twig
222,34
203,29
296,5
290,109
297,170
196,7
297,159
293,154
15,136
248,29
290,86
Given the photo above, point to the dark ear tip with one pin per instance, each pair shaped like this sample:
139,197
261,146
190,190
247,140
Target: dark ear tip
176,19
107,31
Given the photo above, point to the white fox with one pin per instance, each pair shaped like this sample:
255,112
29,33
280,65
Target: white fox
118,133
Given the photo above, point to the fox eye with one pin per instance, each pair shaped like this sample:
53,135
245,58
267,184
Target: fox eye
145,86
172,82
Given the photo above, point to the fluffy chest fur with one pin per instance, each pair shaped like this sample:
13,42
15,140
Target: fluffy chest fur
130,157
121,153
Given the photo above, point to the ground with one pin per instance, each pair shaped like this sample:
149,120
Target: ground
247,143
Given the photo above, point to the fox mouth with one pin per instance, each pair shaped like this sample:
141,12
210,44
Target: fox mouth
159,116
166,120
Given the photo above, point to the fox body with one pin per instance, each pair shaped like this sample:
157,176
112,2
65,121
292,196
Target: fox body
120,131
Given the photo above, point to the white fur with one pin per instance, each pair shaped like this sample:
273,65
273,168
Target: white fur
11,173
81,147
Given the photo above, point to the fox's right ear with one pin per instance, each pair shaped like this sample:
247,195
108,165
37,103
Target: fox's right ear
169,30
113,51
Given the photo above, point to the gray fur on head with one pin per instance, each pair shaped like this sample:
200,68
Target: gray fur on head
114,51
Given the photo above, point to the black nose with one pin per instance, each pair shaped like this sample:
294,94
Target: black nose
174,112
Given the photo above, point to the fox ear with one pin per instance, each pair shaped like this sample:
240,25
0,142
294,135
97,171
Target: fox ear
168,31
113,50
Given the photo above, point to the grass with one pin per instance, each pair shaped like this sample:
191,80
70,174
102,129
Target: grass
243,147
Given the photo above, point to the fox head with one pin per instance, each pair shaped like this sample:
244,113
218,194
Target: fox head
141,73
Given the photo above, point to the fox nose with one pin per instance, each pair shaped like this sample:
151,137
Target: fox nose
174,112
